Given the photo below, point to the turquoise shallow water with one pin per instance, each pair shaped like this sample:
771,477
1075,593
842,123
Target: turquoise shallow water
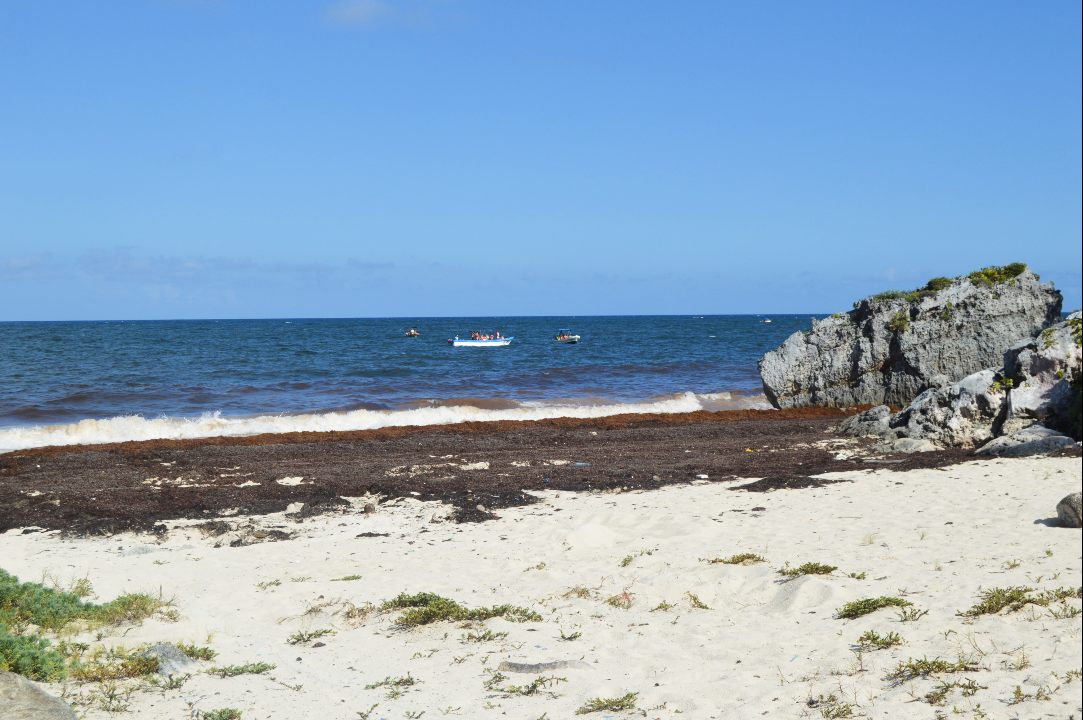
65,372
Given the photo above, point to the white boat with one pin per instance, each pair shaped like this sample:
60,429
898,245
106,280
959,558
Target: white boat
468,342
566,337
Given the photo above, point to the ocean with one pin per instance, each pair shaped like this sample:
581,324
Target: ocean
94,382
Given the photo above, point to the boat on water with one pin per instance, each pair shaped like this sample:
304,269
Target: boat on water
567,337
478,339
413,332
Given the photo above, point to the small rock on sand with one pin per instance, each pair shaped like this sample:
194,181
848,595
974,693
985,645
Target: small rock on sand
171,659
1069,511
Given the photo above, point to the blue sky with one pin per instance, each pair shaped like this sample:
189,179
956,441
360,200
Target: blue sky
227,158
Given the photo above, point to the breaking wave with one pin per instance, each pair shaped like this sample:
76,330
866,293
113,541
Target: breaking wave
135,427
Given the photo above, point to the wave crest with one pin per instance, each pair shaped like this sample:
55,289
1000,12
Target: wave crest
135,427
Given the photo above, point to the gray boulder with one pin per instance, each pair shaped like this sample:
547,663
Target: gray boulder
21,699
1069,511
872,422
892,347
171,659
1032,440
909,445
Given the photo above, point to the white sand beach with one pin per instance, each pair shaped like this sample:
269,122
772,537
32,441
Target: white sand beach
628,603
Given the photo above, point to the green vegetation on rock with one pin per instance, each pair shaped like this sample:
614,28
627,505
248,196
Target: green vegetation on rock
986,277
994,274
899,322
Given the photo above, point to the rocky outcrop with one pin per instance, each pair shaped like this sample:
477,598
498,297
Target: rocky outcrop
893,346
959,415
20,699
1028,406
1043,378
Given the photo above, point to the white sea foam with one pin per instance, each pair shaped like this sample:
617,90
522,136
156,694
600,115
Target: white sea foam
134,427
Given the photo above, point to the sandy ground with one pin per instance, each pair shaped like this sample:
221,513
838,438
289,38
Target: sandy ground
760,646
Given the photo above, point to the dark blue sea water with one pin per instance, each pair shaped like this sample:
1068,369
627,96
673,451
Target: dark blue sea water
180,378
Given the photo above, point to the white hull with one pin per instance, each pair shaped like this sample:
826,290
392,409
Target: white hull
502,342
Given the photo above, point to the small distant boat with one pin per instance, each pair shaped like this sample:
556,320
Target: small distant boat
413,332
765,320
566,337
479,340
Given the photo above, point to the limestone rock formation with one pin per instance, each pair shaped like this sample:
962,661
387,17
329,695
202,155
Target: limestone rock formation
1027,407
1043,375
959,415
893,346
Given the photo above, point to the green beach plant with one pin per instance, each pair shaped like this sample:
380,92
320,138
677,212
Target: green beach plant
860,608
598,704
221,714
31,656
303,636
28,610
424,608
871,640
912,669
738,559
809,568
253,668
1013,599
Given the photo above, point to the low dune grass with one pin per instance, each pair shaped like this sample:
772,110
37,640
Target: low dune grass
1013,599
871,640
598,704
859,608
252,668
912,669
424,608
809,568
738,559
29,609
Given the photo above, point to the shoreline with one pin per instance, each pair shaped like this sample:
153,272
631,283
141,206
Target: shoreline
467,426
630,594
471,468
138,427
